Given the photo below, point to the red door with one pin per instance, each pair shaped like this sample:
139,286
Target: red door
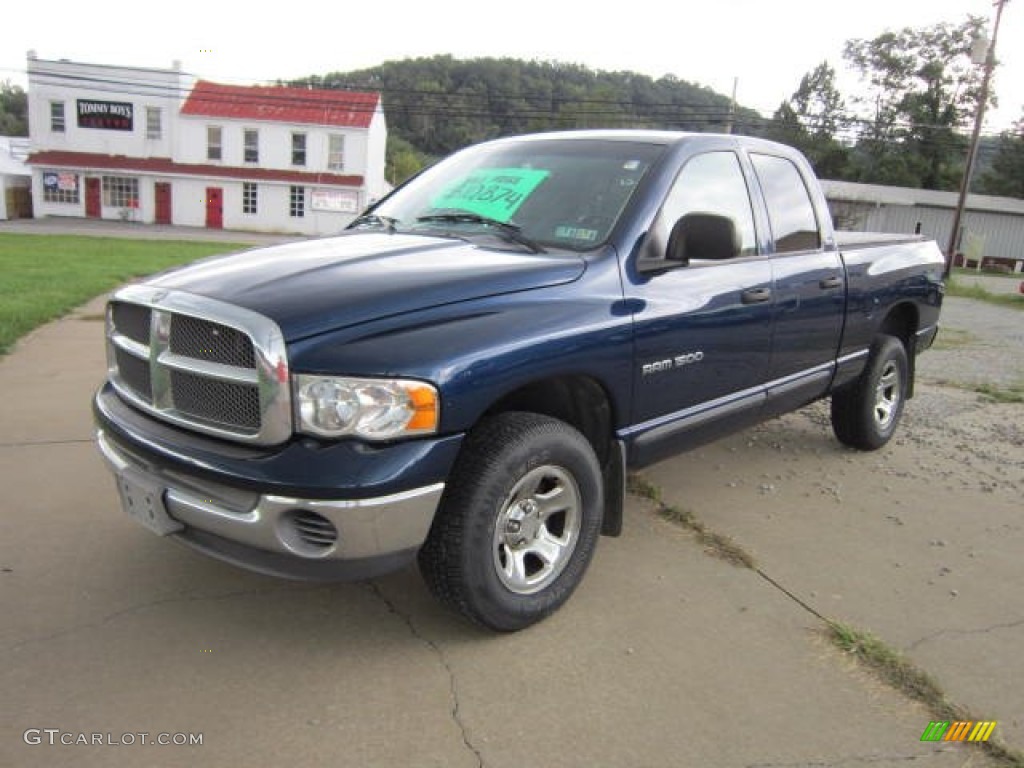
163,202
92,198
214,207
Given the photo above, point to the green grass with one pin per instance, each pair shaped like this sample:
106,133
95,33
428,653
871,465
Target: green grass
892,667
1010,394
896,670
971,272
955,287
954,338
44,276
715,544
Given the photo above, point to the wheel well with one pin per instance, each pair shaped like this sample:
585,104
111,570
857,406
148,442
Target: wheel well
902,322
583,403
576,400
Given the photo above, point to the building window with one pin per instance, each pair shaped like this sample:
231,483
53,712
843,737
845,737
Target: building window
298,149
154,123
213,142
336,152
120,192
57,123
249,197
297,202
60,187
252,145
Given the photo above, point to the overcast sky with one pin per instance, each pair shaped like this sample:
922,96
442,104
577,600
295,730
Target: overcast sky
768,46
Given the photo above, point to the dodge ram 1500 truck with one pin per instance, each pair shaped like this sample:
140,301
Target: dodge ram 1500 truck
465,374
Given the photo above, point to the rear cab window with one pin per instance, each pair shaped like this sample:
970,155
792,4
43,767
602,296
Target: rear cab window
790,210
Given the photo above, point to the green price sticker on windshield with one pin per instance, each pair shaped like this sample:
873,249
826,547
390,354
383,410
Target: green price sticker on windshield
495,193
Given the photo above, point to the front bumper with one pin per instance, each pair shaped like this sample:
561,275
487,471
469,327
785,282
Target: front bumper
344,522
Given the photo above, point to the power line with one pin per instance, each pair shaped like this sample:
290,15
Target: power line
426,103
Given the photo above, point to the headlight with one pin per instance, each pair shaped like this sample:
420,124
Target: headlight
374,409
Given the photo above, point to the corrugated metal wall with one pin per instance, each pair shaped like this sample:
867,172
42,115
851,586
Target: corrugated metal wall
1003,232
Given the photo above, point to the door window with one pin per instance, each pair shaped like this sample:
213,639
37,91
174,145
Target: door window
712,183
790,211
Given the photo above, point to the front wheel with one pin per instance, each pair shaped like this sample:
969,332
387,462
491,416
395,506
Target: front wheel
865,414
518,524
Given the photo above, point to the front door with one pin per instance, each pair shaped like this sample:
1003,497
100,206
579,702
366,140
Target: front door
214,207
92,198
163,202
703,332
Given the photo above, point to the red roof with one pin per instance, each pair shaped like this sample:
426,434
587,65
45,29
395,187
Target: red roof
164,165
281,104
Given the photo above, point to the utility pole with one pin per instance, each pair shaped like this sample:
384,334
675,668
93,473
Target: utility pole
732,105
972,152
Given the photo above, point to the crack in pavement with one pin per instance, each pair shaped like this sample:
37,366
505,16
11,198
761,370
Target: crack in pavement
445,664
31,443
852,760
136,609
979,631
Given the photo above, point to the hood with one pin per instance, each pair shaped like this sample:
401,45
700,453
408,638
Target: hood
314,286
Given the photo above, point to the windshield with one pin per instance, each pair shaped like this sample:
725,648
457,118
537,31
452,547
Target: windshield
558,193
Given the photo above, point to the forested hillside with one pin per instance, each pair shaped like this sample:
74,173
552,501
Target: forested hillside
441,104
911,132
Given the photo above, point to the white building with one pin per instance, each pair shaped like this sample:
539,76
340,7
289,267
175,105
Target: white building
15,179
155,145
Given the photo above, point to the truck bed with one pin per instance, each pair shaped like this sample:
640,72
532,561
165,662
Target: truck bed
848,239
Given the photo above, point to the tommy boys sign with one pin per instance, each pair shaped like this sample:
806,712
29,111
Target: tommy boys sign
109,115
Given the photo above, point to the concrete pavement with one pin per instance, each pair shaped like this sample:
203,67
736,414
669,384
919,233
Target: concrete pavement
665,656
57,225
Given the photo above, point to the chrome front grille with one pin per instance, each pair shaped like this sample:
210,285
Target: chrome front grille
216,402
132,320
214,342
134,372
200,363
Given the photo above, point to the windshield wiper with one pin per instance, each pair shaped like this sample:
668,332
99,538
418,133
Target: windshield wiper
512,231
373,220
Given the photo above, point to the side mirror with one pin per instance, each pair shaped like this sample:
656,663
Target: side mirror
702,236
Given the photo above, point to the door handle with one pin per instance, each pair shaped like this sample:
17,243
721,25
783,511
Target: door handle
756,296
830,282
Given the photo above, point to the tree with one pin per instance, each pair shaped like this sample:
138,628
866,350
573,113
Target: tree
811,120
440,104
13,110
403,160
922,88
1006,176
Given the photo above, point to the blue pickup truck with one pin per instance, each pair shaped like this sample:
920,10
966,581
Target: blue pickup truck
465,374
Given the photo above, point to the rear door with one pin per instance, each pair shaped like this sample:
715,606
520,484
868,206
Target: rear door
810,290
702,331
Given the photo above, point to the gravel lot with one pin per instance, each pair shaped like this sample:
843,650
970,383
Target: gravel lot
979,343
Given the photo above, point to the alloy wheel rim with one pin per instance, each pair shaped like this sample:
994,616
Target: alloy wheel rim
536,531
887,395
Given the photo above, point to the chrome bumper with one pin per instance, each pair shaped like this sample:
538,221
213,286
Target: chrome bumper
287,536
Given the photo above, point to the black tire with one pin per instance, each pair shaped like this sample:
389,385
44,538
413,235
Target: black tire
525,490
865,414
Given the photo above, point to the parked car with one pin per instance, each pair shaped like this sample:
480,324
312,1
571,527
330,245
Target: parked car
463,377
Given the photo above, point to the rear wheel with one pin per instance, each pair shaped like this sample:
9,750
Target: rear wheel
866,413
518,524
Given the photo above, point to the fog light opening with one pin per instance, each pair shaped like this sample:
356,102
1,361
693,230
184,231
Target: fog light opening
307,533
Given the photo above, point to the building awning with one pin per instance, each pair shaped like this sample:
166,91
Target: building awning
164,166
